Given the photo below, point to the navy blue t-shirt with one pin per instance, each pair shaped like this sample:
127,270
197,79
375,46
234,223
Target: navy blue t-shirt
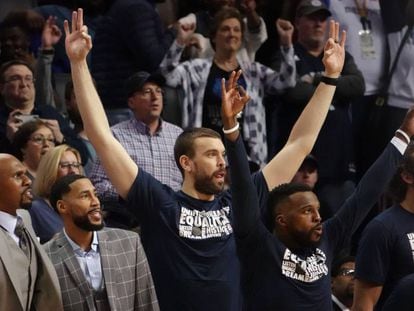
401,298
386,250
190,246
277,278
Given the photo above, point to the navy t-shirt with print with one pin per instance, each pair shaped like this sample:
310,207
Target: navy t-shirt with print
190,246
277,278
386,250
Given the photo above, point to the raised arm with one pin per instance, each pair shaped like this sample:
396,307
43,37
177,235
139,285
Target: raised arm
284,165
120,168
244,195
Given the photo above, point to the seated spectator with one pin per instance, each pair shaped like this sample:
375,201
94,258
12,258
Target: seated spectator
60,161
201,78
147,138
342,279
98,268
385,252
18,92
31,142
253,37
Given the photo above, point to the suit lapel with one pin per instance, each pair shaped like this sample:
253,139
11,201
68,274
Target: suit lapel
109,267
5,257
73,268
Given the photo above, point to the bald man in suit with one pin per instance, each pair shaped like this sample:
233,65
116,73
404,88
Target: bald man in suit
28,280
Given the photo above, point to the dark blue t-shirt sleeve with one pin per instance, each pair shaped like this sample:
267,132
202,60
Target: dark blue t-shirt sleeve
346,221
245,202
148,198
374,251
401,298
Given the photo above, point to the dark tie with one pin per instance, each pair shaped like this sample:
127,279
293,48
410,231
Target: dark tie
20,232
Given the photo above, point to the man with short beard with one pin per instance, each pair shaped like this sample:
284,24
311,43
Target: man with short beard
27,278
98,268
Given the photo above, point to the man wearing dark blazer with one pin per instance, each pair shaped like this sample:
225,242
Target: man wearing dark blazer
27,278
98,268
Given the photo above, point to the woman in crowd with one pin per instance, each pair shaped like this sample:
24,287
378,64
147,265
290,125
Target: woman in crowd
60,161
201,78
32,140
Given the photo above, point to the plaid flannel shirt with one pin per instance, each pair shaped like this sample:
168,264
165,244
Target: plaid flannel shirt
192,76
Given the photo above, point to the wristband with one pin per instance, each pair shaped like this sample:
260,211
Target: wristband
407,138
232,130
329,81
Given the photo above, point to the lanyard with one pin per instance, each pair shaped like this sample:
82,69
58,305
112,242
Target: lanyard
362,9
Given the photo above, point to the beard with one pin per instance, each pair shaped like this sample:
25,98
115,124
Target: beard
205,184
84,223
305,238
26,199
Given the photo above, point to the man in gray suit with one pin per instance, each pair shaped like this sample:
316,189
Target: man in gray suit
98,268
27,278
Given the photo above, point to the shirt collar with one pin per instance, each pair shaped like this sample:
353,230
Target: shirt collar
143,128
76,247
8,221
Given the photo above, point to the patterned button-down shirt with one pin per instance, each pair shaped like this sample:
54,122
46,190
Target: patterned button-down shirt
192,77
89,261
152,153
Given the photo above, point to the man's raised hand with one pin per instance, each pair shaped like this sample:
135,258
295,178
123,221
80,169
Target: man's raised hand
233,97
334,51
77,42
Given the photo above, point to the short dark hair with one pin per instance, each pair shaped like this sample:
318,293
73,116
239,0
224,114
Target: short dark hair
184,145
339,261
397,188
223,14
61,187
22,136
280,194
15,62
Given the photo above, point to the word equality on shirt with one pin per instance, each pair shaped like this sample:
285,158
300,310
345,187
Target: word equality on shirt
204,224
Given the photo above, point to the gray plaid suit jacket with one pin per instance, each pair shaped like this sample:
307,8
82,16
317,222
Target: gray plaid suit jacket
126,273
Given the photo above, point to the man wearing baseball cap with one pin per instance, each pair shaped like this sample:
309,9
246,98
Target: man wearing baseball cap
308,7
334,146
147,138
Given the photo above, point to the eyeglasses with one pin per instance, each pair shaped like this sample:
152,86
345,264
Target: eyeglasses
347,272
25,79
72,165
40,140
148,92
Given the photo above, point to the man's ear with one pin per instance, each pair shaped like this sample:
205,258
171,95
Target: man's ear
280,220
61,207
185,163
130,102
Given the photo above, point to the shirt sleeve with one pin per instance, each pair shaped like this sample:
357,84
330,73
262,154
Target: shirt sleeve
351,214
374,251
